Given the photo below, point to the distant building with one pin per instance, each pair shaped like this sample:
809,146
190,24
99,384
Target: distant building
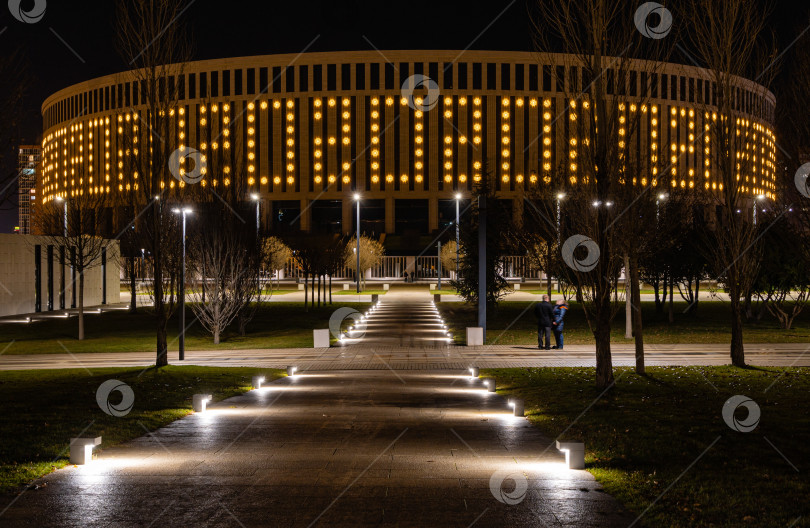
28,161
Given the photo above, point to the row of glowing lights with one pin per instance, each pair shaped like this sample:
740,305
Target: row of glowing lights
201,406
418,139
359,327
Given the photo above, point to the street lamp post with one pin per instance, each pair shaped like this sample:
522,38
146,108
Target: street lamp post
357,200
256,198
458,242
182,338
440,266
560,197
757,199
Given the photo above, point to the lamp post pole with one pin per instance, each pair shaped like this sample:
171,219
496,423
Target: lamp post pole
440,266
357,236
458,199
560,196
182,328
482,264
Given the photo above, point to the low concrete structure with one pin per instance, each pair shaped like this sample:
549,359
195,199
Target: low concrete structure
81,449
574,454
475,336
33,271
320,338
199,402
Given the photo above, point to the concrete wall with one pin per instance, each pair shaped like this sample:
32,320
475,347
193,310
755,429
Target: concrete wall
18,276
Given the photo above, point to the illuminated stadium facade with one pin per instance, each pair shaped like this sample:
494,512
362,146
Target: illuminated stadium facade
308,131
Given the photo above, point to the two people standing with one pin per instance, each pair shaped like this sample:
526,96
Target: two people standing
550,319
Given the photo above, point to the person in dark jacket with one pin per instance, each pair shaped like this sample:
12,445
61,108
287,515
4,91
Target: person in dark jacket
557,322
544,314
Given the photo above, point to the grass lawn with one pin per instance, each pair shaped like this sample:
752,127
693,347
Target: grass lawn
43,409
643,436
513,323
276,325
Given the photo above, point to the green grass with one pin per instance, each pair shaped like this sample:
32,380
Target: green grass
43,409
646,432
276,325
513,323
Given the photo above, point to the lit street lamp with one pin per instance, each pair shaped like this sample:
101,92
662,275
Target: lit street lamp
458,199
256,198
357,250
182,339
757,199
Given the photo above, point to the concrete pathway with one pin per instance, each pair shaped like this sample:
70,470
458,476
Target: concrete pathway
424,357
331,449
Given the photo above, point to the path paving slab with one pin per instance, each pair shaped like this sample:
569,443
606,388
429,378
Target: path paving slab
338,448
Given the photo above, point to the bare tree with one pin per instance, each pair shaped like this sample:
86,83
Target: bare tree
77,225
727,40
153,40
602,43
15,82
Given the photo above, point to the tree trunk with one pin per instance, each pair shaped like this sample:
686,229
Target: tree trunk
548,271
628,304
604,362
671,299
330,288
737,349
81,304
635,292
319,290
306,286
216,334
133,303
162,358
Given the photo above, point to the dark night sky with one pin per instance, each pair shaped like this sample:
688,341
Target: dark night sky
222,29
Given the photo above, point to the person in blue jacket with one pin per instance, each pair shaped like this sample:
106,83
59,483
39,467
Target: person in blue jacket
557,324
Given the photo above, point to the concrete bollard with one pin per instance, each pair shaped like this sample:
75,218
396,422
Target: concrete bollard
474,372
386,287
437,297
301,287
374,298
81,449
257,382
517,405
517,286
199,402
291,371
574,454
475,336
320,338
490,384
432,287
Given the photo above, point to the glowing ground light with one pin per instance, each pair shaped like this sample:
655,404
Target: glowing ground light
81,449
199,402
292,370
257,382
574,454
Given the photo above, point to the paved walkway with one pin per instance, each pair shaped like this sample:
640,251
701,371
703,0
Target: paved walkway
331,449
421,358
